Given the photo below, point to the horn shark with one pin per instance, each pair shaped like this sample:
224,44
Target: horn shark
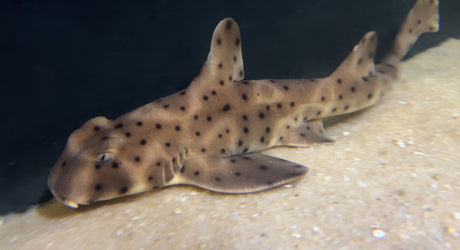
212,133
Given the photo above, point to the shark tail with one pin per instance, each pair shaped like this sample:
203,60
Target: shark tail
422,18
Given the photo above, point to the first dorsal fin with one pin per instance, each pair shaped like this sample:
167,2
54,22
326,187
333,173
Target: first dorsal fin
360,61
224,63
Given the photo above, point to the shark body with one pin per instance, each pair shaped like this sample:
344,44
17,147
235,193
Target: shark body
211,134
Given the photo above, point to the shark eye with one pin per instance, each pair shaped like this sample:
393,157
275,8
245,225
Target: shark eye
104,157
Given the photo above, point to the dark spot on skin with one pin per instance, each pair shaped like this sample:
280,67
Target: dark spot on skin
115,164
308,127
213,92
155,187
158,126
158,163
230,78
222,150
267,107
246,130
292,104
97,166
359,61
295,119
244,96
209,118
369,96
245,150
220,135
98,187
245,117
166,106
219,41
352,89
263,167
197,133
119,125
195,117
123,190
226,108
346,107
232,160
182,108
203,150
286,88
281,138
205,98
143,142
217,178
261,115
279,105
64,163
227,131
182,92
312,80
137,158
323,98
262,139
241,73
182,169
272,81
234,58
128,134
237,173
318,112
97,128
240,142
168,144
221,82
104,138
196,173
237,41
177,128
228,25
340,97
288,127
334,109
305,118
267,129
410,31
419,22
150,178
365,78
173,159
139,123
302,134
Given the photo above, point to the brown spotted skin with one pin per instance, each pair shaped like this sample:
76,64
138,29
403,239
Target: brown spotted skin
211,133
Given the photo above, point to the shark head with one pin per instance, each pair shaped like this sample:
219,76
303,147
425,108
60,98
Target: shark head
92,166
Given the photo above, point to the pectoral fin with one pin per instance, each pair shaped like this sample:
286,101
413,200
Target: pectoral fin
239,174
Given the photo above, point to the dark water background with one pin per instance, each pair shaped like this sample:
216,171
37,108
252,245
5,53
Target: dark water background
64,62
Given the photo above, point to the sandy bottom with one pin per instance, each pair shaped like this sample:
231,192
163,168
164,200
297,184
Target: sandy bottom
391,181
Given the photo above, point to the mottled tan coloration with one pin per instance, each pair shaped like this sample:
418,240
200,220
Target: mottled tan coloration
211,134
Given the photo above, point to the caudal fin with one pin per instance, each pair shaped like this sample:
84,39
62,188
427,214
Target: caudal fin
422,18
